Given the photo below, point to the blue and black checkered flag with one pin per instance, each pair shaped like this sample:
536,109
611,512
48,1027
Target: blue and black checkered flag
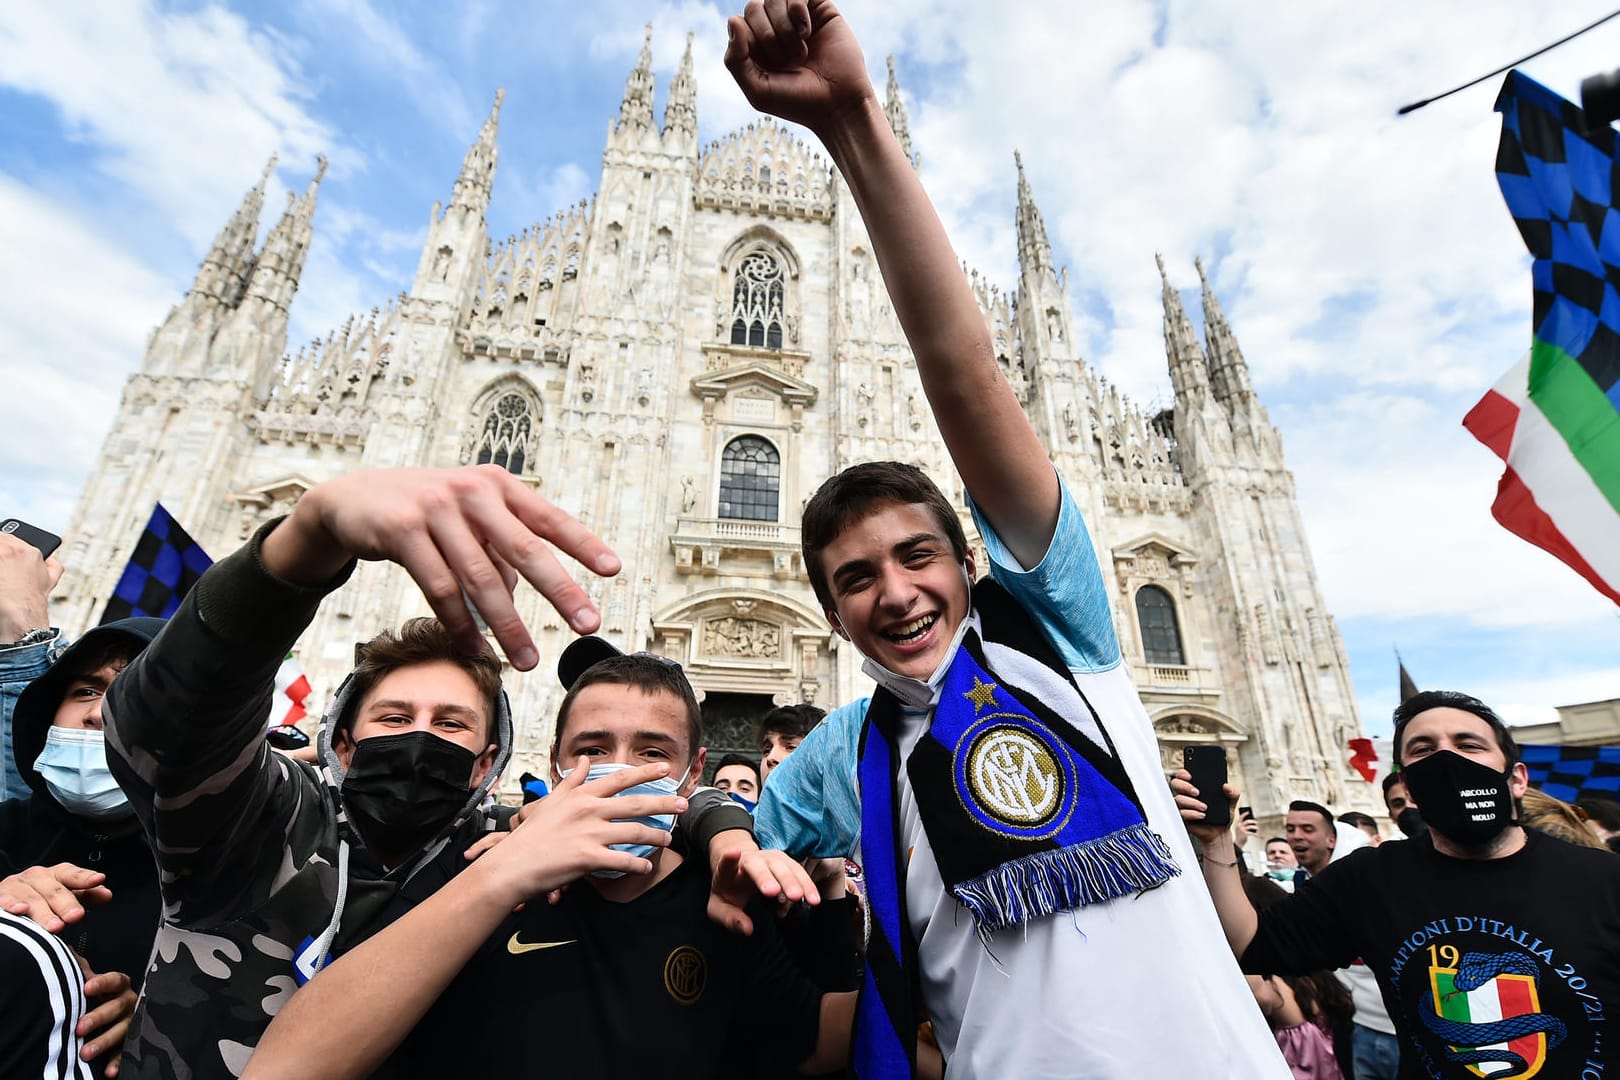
166,564
1574,772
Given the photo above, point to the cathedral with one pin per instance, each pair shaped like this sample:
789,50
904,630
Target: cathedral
679,362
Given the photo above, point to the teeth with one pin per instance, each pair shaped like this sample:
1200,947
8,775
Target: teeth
912,629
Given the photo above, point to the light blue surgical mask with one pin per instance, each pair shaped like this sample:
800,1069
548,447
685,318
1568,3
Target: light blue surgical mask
749,805
73,765
668,785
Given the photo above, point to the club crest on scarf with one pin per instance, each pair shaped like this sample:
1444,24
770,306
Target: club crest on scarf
1010,774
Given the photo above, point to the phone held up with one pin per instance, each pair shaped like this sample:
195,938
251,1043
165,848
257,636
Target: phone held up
1207,766
28,534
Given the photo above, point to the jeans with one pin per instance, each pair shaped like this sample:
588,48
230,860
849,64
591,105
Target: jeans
19,666
1376,1056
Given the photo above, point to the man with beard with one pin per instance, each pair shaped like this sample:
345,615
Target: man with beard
1496,949
269,865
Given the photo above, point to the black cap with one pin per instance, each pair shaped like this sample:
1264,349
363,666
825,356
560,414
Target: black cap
580,656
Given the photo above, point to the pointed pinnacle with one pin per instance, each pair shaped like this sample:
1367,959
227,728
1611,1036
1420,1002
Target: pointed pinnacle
320,169
1159,258
269,167
1198,261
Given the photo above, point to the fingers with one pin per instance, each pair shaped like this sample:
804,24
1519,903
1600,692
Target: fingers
488,841
789,29
482,582
624,779
107,984
53,571
46,894
432,574
528,551
109,1021
725,913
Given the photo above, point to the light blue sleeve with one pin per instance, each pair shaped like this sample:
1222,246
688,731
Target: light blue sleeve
811,802
19,666
1064,591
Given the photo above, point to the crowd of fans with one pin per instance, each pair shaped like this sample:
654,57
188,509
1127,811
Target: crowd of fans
979,868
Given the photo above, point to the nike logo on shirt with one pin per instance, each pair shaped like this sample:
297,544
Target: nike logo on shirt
518,948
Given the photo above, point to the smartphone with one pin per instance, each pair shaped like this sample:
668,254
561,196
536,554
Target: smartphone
1207,765
39,538
1245,812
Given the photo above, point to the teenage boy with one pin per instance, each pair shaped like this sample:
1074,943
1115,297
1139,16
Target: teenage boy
1020,849
624,976
781,731
738,777
1497,949
267,864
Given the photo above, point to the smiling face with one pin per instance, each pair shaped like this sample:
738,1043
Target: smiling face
897,589
613,722
437,696
1312,839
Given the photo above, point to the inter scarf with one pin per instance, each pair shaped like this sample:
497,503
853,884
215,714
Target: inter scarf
1027,814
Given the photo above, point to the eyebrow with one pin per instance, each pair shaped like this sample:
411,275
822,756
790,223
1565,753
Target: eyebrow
639,736
444,709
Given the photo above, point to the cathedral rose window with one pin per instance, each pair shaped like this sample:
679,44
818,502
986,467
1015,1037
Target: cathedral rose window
1161,638
504,439
750,477
756,302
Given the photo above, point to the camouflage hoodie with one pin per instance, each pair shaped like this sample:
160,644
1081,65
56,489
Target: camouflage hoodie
260,871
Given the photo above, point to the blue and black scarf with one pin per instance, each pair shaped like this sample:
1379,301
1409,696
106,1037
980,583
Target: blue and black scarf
1026,805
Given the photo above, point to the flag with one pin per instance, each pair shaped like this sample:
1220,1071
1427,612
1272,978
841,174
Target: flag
1364,759
1553,419
1574,772
166,564
287,706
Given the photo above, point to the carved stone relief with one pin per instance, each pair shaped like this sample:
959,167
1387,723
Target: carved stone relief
752,639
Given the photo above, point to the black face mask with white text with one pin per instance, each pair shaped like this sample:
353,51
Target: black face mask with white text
1465,802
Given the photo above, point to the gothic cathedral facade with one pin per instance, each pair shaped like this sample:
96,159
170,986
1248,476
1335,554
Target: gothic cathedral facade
680,361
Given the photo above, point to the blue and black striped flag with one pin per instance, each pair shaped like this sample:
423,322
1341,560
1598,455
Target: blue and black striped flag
1574,772
166,564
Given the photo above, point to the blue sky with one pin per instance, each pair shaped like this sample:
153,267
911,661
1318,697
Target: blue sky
1367,264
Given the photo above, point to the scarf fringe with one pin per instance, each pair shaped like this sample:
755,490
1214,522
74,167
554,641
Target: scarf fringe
1128,861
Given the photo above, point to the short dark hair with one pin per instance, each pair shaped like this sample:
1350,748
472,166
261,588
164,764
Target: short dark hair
856,493
116,650
421,641
789,722
1359,820
1274,840
1307,806
1454,699
1606,812
1390,780
738,759
647,672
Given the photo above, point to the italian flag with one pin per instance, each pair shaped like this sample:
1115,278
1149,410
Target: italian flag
1503,997
1559,435
287,705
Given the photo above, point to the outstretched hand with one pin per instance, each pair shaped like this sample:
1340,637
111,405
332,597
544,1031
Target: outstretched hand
740,871
570,833
1193,809
460,533
797,59
54,896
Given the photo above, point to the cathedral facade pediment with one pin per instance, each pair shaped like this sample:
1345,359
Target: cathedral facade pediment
769,373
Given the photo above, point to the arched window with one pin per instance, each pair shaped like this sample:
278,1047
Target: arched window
1161,639
750,478
756,302
504,438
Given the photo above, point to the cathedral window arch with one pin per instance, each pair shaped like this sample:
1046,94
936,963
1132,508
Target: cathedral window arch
508,431
750,480
1161,634
758,300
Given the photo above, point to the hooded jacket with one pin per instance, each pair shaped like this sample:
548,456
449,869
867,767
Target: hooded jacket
39,831
262,873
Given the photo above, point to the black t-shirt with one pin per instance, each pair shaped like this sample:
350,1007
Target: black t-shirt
591,988
1511,965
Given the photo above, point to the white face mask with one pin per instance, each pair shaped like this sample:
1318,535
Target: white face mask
917,693
73,765
667,785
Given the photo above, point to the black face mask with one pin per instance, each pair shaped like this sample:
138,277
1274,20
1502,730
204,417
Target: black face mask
1462,800
400,790
1410,821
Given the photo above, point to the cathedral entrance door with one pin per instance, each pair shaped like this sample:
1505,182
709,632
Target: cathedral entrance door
730,723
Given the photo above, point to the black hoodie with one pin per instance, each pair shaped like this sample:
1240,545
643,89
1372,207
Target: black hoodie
38,831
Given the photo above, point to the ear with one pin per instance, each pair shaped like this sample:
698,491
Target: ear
343,747
485,762
1519,781
970,566
556,773
695,772
835,622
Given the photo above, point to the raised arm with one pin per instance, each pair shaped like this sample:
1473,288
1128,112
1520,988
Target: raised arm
799,60
384,987
1220,863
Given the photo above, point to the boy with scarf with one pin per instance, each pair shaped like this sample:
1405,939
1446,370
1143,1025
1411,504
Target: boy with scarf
268,866
1022,855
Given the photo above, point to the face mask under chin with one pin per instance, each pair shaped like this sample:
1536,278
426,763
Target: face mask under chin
917,693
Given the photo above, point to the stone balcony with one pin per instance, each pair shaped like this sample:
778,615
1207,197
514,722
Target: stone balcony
1176,680
712,546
